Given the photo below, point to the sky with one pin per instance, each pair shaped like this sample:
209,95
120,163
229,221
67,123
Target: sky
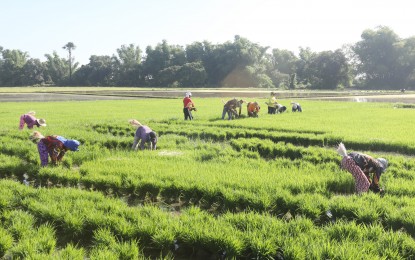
100,27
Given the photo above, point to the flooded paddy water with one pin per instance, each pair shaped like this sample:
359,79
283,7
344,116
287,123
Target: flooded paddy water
80,95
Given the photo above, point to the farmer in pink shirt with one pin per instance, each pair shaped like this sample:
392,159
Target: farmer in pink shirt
30,120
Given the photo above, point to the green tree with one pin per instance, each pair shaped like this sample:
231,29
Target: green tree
33,72
127,65
192,74
162,57
304,74
407,59
226,63
282,67
329,70
69,47
57,69
196,52
11,69
99,71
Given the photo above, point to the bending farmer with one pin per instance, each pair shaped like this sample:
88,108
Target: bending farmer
361,166
296,107
230,108
30,120
145,135
253,109
55,146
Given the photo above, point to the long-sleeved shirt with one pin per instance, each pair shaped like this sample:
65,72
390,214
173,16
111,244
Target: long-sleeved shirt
362,183
29,120
272,102
56,149
253,107
233,104
368,165
143,134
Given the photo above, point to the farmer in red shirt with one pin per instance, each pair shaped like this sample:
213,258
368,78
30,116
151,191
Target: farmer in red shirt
30,120
55,146
188,106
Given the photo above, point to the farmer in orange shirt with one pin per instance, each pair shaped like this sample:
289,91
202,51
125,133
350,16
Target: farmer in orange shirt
253,109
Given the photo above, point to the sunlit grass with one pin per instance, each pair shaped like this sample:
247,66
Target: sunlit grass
248,188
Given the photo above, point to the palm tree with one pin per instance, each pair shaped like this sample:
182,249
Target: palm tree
70,46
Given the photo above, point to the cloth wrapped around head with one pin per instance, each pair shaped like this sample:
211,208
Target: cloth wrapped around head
70,144
384,163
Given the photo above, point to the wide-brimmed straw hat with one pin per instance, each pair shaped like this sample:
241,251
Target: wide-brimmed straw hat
41,122
134,123
35,136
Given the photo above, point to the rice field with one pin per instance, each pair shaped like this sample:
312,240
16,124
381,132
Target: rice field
252,188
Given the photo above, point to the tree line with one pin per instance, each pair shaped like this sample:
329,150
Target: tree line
380,60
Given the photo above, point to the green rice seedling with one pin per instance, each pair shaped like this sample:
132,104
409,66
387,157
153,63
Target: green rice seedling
103,253
70,252
128,250
25,249
398,245
45,239
311,205
262,247
293,250
9,165
259,188
400,187
368,214
342,230
18,222
164,239
58,175
199,230
104,238
6,241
